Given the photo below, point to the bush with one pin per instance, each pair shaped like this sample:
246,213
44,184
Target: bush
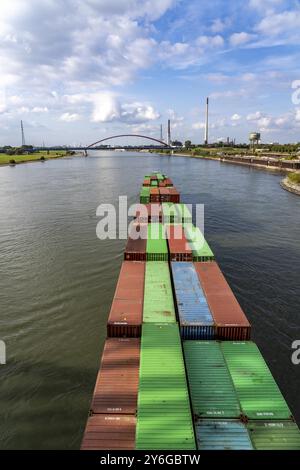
294,178
42,158
12,162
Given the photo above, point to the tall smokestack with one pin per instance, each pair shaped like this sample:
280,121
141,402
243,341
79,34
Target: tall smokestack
206,122
169,132
161,132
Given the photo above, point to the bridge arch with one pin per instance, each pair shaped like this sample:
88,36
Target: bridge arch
128,135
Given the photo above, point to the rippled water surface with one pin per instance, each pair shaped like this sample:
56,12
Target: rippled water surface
57,279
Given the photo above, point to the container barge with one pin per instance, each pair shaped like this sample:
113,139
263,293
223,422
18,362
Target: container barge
179,370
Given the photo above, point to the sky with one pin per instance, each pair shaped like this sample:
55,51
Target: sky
76,71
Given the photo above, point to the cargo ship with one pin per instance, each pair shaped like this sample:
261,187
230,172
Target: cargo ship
179,370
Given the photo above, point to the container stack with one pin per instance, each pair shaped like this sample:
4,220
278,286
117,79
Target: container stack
179,370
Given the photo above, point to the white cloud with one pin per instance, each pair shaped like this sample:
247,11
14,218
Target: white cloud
278,23
39,109
236,117
218,25
69,117
239,39
198,125
228,94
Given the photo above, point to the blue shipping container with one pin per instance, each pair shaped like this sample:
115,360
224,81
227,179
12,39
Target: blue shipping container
213,434
195,318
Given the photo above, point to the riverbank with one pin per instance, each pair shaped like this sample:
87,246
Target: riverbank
290,186
42,155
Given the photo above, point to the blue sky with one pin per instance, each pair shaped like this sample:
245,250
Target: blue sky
79,70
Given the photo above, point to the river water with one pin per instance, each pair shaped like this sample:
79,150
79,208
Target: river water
57,278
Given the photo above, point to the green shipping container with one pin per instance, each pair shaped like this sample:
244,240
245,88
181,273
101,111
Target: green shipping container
157,248
200,247
276,435
164,419
176,213
257,391
158,296
154,183
211,387
145,195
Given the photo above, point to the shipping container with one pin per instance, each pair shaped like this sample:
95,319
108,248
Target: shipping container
174,195
126,313
179,249
149,213
257,391
145,195
109,432
154,195
156,247
158,297
230,320
201,249
211,388
274,435
154,183
195,318
164,419
117,382
146,182
160,177
162,184
176,213
213,434
168,182
135,249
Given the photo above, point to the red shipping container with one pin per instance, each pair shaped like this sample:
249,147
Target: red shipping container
164,194
179,248
231,322
109,432
162,184
149,213
117,384
154,195
146,182
168,182
136,247
126,313
174,195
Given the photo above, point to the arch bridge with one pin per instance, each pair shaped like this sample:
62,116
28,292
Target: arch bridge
128,135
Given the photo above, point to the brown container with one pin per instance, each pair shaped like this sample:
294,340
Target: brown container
231,322
153,211
136,249
165,195
162,184
126,313
179,248
146,182
174,195
154,195
109,432
116,388
168,182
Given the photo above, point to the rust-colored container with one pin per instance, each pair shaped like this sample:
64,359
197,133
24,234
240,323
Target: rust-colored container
162,184
146,182
164,194
151,213
136,247
179,248
154,195
126,313
168,182
153,178
230,320
117,384
174,195
109,432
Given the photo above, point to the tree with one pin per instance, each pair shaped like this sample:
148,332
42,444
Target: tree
187,144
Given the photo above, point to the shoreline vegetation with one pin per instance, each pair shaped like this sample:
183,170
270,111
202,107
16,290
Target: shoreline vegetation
39,156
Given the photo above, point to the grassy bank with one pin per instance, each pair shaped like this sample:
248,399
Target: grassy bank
41,155
294,178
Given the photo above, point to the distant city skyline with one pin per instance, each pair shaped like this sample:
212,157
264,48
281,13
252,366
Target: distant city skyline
76,72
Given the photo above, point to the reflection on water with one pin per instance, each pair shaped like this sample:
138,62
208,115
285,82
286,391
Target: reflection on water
58,279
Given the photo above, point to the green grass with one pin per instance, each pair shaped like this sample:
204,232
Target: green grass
294,178
5,159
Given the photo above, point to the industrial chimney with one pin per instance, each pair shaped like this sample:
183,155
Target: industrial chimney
206,123
169,133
